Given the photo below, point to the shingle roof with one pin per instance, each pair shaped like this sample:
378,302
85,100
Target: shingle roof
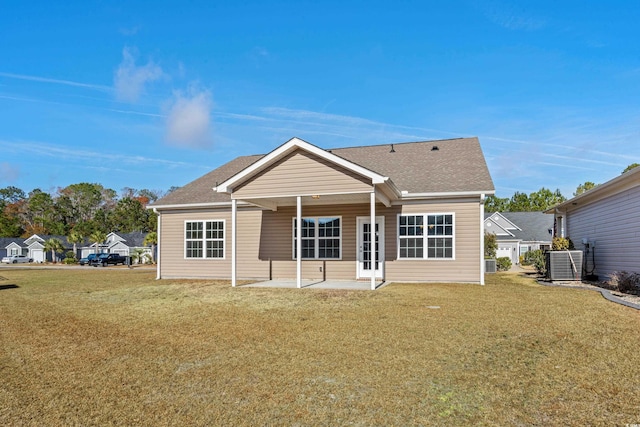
135,239
6,241
534,226
451,165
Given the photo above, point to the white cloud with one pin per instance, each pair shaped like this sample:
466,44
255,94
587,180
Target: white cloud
189,119
130,79
8,172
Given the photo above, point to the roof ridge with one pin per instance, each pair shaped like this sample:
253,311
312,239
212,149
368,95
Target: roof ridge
427,141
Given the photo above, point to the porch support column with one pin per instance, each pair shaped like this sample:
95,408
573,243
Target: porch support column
299,242
372,245
234,214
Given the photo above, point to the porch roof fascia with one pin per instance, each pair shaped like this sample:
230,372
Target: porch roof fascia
289,147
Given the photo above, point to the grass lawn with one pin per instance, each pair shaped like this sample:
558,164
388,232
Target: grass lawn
115,347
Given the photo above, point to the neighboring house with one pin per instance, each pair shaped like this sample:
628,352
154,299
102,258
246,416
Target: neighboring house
11,246
604,222
33,247
120,243
241,220
519,232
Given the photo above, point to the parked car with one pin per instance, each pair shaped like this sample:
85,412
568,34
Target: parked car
87,259
109,259
15,259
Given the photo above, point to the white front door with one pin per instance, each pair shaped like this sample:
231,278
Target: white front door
365,266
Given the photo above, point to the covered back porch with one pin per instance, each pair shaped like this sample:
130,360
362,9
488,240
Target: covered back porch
298,178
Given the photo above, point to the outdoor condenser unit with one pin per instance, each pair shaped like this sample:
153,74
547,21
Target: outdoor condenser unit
564,265
490,266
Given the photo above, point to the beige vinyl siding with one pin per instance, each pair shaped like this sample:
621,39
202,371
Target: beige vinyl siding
466,265
614,223
305,172
265,244
172,236
278,245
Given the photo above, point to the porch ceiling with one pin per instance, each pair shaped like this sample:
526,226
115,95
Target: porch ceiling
322,199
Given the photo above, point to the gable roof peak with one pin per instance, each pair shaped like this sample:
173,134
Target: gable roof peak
287,148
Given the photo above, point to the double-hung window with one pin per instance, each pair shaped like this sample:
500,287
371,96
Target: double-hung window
321,238
426,236
204,239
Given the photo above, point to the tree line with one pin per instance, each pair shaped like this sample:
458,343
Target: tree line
537,201
85,209
82,209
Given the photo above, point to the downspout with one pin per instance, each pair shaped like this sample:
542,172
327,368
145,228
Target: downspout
158,257
560,220
482,262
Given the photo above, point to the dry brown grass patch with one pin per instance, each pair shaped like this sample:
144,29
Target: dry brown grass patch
115,347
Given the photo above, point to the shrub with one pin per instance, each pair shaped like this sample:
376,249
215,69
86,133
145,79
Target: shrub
70,258
503,263
537,259
626,282
561,244
490,245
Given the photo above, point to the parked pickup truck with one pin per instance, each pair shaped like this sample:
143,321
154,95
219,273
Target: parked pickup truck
88,259
108,259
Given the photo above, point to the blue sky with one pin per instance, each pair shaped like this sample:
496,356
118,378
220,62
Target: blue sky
155,94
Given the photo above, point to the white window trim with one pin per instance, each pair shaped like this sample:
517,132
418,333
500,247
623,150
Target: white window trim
204,239
425,237
316,238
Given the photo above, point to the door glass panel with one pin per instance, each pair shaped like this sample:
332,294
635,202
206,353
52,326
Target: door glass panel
366,247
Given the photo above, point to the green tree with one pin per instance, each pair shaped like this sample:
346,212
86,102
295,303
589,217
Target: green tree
55,246
584,188
544,199
631,166
11,194
11,201
98,237
536,201
128,215
75,237
80,202
496,204
519,202
38,214
10,224
151,239
490,245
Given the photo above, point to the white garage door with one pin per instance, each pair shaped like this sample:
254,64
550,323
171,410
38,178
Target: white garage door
504,251
37,255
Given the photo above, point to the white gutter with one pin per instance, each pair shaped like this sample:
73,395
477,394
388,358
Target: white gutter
197,205
407,196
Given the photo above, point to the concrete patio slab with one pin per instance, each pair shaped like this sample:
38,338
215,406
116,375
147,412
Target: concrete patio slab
352,285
